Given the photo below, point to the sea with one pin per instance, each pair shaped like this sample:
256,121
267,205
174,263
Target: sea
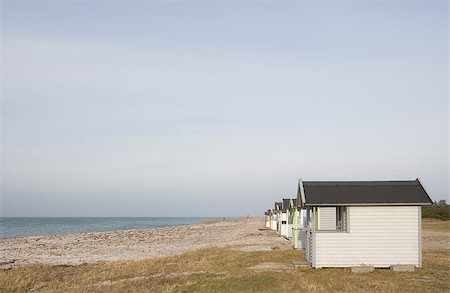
11,227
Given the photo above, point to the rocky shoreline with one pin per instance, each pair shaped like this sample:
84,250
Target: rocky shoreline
76,249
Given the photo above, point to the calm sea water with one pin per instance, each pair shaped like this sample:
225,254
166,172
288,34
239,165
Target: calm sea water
21,227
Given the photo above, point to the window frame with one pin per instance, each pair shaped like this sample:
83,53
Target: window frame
342,220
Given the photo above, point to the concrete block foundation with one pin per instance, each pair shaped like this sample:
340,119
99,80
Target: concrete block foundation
362,270
403,268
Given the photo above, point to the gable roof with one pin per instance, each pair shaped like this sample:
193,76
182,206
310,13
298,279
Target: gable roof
286,203
278,206
324,193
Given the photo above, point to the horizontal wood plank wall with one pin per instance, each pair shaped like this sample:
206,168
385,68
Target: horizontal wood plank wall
283,228
301,239
274,224
378,236
289,230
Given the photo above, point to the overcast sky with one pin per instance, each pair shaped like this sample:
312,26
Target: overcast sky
216,108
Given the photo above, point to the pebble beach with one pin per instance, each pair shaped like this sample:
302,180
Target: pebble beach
82,248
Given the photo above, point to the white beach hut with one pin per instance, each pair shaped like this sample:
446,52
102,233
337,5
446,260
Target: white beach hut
363,223
278,211
268,219
273,220
284,218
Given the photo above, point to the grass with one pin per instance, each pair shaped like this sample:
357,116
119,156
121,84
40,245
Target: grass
225,270
436,212
435,225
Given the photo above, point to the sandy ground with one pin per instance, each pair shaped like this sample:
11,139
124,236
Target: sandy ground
435,240
435,234
73,249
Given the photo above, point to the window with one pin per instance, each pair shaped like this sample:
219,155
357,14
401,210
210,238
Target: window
341,219
326,218
331,219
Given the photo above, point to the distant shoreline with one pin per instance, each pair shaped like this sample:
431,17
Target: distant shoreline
19,227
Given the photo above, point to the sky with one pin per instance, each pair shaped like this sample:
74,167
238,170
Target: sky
215,108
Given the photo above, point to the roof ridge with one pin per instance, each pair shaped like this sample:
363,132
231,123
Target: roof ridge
391,182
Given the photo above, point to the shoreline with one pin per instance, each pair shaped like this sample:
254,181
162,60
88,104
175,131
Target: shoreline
133,244
202,220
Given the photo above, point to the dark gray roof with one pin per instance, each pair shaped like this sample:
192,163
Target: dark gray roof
286,202
365,192
278,206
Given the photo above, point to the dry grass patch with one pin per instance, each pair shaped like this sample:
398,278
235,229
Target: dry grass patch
196,271
435,225
223,270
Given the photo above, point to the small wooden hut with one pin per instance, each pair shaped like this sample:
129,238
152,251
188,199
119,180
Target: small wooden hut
363,223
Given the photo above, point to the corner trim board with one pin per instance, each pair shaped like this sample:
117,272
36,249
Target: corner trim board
420,235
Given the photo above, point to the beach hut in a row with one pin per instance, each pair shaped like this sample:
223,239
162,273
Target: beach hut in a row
270,220
285,227
286,217
277,217
267,219
298,222
363,223
273,220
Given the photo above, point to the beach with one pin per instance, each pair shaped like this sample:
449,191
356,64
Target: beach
136,244
216,256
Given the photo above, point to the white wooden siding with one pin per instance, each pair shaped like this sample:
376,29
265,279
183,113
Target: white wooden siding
379,236
274,224
301,239
284,227
289,230
283,230
327,219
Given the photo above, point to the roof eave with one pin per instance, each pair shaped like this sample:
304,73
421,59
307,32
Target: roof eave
369,204
424,189
302,194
